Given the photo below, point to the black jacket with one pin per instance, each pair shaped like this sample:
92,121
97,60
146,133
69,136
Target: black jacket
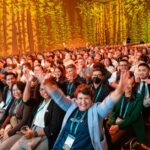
100,93
53,121
4,97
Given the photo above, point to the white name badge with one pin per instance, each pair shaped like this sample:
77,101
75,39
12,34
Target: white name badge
118,120
69,142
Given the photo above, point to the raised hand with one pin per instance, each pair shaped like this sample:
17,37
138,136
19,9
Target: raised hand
123,83
47,76
40,77
29,77
18,71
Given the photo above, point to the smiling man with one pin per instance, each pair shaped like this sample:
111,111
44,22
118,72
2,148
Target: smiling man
144,88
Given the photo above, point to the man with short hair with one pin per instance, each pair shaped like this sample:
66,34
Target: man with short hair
7,99
115,77
144,87
73,80
99,88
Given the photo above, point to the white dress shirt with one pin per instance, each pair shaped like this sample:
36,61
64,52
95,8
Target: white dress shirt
146,101
40,114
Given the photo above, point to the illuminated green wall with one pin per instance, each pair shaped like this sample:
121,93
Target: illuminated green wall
37,25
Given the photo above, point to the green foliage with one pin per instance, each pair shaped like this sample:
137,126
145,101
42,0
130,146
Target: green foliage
45,24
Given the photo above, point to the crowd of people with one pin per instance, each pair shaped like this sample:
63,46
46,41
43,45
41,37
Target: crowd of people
94,98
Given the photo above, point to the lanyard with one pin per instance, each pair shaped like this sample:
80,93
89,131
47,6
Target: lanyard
14,111
78,122
122,108
8,98
97,95
8,102
69,88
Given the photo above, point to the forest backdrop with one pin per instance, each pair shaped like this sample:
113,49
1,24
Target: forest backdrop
38,25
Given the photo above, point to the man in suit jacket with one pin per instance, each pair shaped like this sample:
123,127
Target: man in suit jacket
7,99
144,88
73,80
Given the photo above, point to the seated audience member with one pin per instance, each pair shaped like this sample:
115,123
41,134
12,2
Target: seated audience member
31,93
100,90
144,88
114,62
73,80
134,67
97,57
123,66
82,69
9,68
22,60
126,118
85,56
40,56
108,65
1,89
7,98
106,73
89,67
59,74
125,57
30,60
25,67
82,126
18,113
117,55
90,63
45,123
36,62
67,60
145,51
1,66
9,61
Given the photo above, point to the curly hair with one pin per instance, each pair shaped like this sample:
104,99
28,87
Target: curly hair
84,89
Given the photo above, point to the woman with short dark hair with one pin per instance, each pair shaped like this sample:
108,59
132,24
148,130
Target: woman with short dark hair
43,126
18,113
82,125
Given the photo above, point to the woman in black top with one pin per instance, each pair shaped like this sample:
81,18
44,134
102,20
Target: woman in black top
44,125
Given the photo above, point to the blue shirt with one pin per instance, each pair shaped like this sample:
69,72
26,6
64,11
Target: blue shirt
82,137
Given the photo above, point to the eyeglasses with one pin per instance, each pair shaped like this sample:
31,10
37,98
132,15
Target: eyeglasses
123,65
97,75
41,89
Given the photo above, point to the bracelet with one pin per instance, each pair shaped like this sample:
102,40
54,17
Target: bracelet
35,134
